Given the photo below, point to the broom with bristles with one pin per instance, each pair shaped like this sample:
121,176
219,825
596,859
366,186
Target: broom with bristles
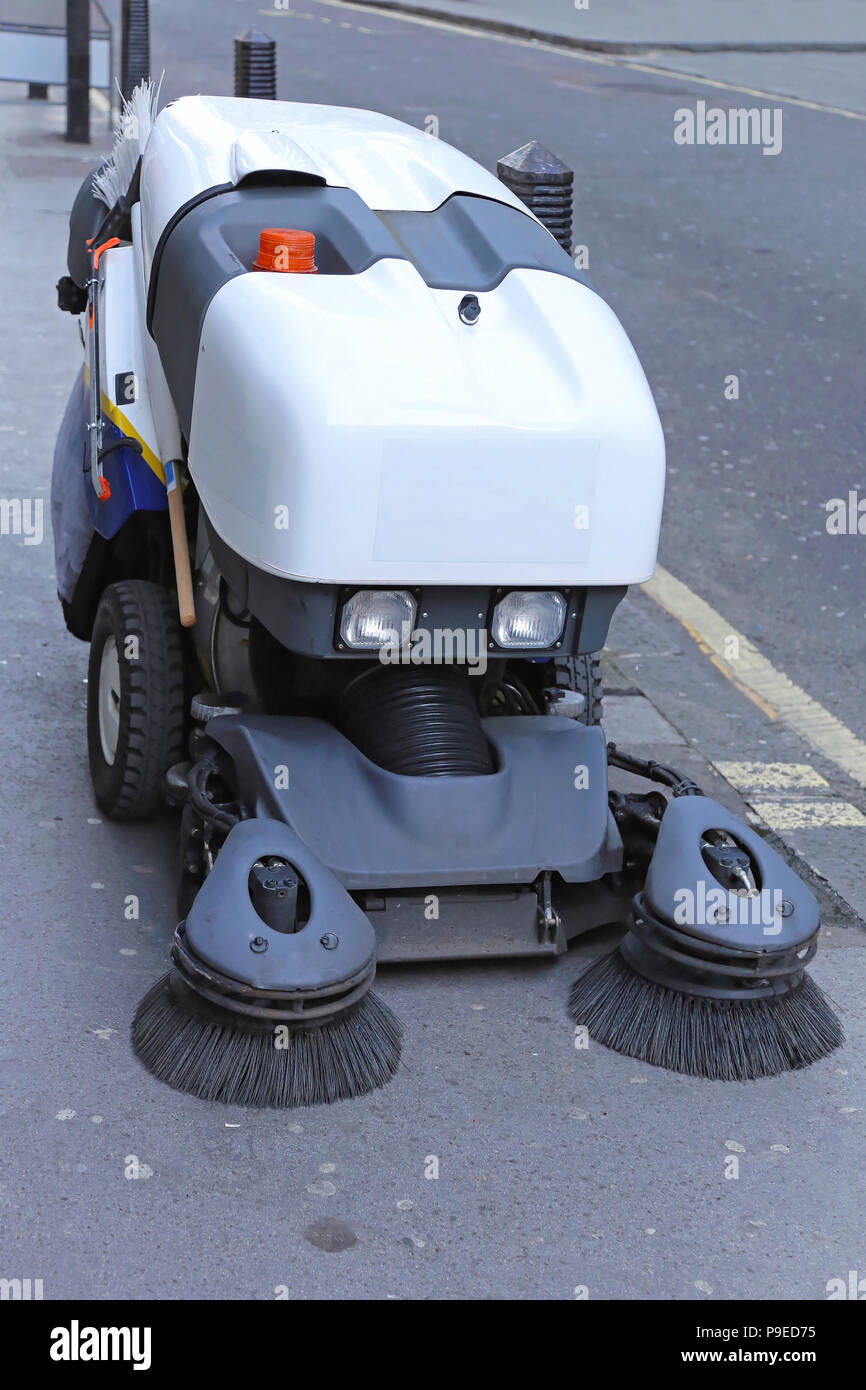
196,1046
733,1039
112,181
720,992
263,1006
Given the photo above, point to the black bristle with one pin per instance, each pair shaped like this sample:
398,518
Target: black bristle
721,1039
210,1053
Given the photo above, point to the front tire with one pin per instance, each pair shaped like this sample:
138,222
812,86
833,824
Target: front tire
583,674
136,707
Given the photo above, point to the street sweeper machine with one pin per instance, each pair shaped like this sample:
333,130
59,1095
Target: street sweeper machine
355,473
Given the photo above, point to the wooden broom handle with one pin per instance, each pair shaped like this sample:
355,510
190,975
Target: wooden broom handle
180,547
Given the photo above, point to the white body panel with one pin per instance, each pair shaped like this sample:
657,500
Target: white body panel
166,427
123,351
201,142
409,448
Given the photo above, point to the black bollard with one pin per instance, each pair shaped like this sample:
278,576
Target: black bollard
78,71
134,45
256,65
544,184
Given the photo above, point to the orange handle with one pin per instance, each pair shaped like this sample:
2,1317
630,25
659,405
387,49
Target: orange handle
97,252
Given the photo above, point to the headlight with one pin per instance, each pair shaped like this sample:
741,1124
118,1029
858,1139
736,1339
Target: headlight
373,617
529,618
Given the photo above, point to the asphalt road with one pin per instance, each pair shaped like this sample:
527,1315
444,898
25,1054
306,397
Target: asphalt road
558,1169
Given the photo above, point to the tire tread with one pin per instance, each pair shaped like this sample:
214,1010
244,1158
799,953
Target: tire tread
152,733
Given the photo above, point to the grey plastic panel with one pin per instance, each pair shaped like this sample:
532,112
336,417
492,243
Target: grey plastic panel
471,243
677,866
376,829
222,921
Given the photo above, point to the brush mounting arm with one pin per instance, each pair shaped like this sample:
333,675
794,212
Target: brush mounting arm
778,915
231,956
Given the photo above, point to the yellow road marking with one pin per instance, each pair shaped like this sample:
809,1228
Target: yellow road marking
777,777
717,661
757,678
580,56
809,815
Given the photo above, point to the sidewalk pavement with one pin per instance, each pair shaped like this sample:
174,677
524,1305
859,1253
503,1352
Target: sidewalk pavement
797,48
40,173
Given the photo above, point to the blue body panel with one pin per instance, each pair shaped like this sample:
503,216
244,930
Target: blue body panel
76,512
134,486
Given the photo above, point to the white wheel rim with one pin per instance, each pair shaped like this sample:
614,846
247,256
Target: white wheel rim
109,700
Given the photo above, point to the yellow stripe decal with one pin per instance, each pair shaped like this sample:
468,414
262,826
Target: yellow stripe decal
118,418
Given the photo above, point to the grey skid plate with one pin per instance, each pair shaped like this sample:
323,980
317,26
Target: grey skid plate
455,925
471,924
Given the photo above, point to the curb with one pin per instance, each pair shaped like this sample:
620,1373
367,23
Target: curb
612,47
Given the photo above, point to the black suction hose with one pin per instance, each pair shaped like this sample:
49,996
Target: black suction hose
418,723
